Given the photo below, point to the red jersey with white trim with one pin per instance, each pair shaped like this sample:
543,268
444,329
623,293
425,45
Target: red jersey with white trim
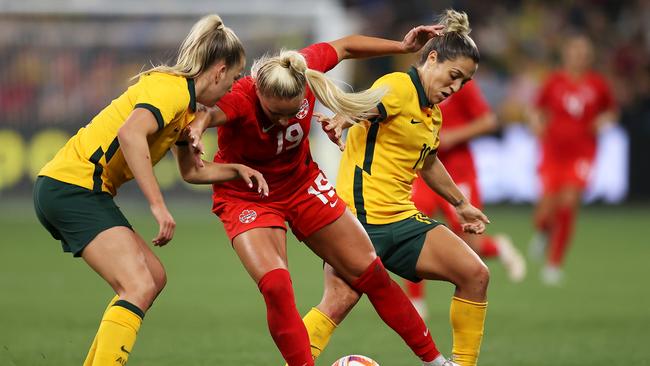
571,107
459,110
281,154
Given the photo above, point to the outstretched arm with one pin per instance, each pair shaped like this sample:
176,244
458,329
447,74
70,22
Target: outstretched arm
214,173
132,137
358,46
435,175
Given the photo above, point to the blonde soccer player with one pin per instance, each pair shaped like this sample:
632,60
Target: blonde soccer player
73,194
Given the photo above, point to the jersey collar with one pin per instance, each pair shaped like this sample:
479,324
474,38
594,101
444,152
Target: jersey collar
415,78
192,90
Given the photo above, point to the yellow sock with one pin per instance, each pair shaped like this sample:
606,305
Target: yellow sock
91,352
467,319
320,328
117,333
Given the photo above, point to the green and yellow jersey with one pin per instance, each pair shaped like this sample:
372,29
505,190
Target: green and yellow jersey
92,158
382,156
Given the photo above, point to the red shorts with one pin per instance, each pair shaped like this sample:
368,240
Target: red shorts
308,208
430,203
556,174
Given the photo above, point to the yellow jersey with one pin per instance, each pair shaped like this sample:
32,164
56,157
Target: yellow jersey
92,158
382,156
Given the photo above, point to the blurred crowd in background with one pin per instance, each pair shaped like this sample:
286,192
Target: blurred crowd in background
61,71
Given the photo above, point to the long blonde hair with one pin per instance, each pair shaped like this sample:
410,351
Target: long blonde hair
455,42
208,41
285,75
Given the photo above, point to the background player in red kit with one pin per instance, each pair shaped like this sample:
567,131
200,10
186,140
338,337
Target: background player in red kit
265,122
572,104
465,115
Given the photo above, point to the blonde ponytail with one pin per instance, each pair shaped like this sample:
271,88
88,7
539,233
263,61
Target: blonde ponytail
209,41
286,74
354,106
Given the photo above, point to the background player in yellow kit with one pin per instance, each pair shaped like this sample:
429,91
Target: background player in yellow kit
381,159
73,195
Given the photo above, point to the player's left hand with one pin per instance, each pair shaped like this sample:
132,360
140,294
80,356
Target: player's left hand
475,220
333,127
417,37
249,175
193,132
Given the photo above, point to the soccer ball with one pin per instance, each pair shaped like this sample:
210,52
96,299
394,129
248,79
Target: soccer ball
355,360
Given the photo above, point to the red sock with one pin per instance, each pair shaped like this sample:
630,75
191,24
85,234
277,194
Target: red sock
414,290
560,235
489,247
285,324
396,310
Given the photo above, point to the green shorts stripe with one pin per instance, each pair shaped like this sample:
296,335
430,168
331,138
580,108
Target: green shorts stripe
74,215
399,244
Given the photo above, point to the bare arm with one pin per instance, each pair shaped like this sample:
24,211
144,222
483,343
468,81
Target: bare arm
607,117
436,176
358,46
537,121
482,125
132,137
205,118
214,173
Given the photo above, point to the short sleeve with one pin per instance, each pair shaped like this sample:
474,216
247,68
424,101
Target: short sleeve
473,101
437,126
320,57
164,97
391,103
235,103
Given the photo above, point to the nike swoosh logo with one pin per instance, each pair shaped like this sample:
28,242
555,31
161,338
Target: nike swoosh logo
124,350
426,332
413,122
332,204
267,129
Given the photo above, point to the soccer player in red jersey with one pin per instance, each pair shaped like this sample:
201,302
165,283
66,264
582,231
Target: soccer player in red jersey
572,104
465,115
265,122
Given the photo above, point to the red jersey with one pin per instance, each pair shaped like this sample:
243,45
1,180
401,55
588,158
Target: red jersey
281,154
459,110
571,107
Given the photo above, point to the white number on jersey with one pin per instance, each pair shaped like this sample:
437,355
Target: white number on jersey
293,134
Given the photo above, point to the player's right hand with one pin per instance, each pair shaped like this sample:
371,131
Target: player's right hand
166,225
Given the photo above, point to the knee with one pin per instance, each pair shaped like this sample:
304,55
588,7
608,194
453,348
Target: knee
476,276
276,284
141,291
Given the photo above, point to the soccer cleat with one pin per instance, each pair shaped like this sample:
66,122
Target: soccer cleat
440,361
537,246
511,258
552,275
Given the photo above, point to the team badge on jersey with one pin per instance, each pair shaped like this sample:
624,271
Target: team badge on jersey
247,216
304,109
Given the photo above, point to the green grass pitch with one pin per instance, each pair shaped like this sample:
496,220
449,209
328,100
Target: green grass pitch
212,314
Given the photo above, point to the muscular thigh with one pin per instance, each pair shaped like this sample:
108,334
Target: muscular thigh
344,245
261,250
445,256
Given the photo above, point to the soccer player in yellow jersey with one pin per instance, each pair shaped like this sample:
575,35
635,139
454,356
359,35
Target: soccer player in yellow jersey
381,159
73,195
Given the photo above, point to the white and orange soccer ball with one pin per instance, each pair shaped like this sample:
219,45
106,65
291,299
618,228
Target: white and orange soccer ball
355,360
